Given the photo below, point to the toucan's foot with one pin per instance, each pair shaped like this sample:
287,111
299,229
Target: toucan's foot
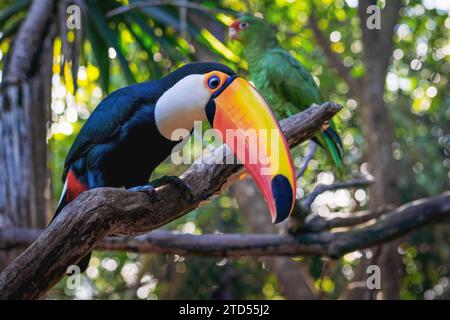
148,189
177,182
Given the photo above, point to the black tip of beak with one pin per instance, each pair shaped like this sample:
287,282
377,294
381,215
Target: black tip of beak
282,193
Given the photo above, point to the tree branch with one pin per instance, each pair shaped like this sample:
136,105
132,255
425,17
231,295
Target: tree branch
308,157
100,212
321,188
302,209
316,223
392,224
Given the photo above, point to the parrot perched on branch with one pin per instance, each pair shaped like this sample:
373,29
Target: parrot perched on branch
283,81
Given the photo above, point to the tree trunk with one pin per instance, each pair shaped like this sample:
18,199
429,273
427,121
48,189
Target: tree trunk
378,44
25,99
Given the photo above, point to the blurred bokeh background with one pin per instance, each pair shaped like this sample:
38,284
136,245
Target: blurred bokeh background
116,48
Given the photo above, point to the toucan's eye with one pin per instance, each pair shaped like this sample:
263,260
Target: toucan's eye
243,25
213,82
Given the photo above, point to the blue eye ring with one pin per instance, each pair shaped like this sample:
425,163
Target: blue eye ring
214,82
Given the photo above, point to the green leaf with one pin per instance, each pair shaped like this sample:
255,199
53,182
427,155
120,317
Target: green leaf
100,51
111,37
12,9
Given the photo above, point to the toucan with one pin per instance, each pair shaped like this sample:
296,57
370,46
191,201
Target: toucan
131,132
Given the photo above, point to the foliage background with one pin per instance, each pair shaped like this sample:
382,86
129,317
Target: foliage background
147,43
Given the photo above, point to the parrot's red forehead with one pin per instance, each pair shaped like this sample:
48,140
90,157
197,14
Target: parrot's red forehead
235,24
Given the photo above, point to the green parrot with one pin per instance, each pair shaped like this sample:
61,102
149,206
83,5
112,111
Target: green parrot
283,81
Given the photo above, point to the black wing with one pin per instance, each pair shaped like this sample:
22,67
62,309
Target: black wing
109,116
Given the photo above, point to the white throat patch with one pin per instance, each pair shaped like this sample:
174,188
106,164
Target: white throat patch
181,105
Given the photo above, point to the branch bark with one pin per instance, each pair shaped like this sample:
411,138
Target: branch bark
393,224
98,213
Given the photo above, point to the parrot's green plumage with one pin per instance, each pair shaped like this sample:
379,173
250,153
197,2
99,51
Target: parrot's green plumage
284,82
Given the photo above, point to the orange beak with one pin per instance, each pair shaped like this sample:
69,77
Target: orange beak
251,130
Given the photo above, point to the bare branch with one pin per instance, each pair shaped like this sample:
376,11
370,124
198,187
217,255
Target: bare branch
394,224
100,212
316,223
302,209
321,188
308,157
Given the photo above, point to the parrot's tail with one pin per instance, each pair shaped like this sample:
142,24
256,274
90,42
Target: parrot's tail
330,141
84,262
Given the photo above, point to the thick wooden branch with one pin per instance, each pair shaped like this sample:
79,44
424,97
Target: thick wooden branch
98,213
392,224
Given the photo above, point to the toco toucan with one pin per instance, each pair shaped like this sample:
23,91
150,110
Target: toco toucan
130,133
283,80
